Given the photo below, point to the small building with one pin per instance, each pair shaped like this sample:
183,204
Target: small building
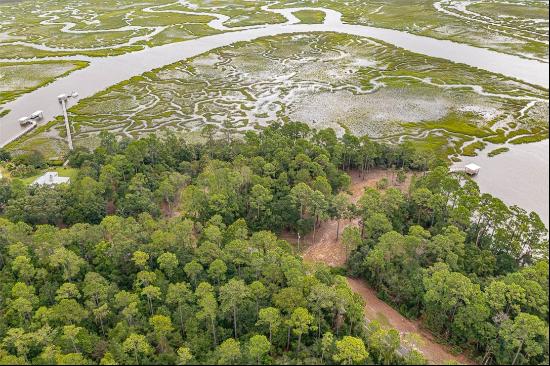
51,179
472,169
23,121
37,116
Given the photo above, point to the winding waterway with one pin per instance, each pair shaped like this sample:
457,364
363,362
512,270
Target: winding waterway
108,71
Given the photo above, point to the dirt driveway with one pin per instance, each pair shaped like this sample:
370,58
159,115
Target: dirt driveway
330,251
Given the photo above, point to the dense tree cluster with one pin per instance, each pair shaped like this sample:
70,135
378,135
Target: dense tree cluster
166,252
163,252
139,290
475,270
250,179
23,165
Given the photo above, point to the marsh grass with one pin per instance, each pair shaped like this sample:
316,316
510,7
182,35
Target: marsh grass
498,151
382,91
310,16
20,78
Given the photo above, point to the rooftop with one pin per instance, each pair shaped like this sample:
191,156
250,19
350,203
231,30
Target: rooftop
472,166
51,178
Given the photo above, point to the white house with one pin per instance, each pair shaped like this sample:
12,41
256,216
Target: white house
51,179
472,169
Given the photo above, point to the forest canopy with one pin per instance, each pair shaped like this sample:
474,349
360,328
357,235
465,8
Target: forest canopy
165,252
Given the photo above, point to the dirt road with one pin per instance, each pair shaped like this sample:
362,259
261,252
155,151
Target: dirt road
330,251
411,331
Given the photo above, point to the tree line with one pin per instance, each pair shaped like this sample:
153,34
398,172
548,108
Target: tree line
252,178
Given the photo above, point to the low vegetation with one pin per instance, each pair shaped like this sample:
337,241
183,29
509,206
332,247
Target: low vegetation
21,78
310,16
498,151
99,27
343,82
165,248
472,148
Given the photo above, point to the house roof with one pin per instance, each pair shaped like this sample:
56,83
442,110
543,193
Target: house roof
51,178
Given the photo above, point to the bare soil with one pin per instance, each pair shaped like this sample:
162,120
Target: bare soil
330,251
412,334
326,248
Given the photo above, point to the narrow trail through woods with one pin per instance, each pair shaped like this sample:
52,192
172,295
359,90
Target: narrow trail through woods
330,251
